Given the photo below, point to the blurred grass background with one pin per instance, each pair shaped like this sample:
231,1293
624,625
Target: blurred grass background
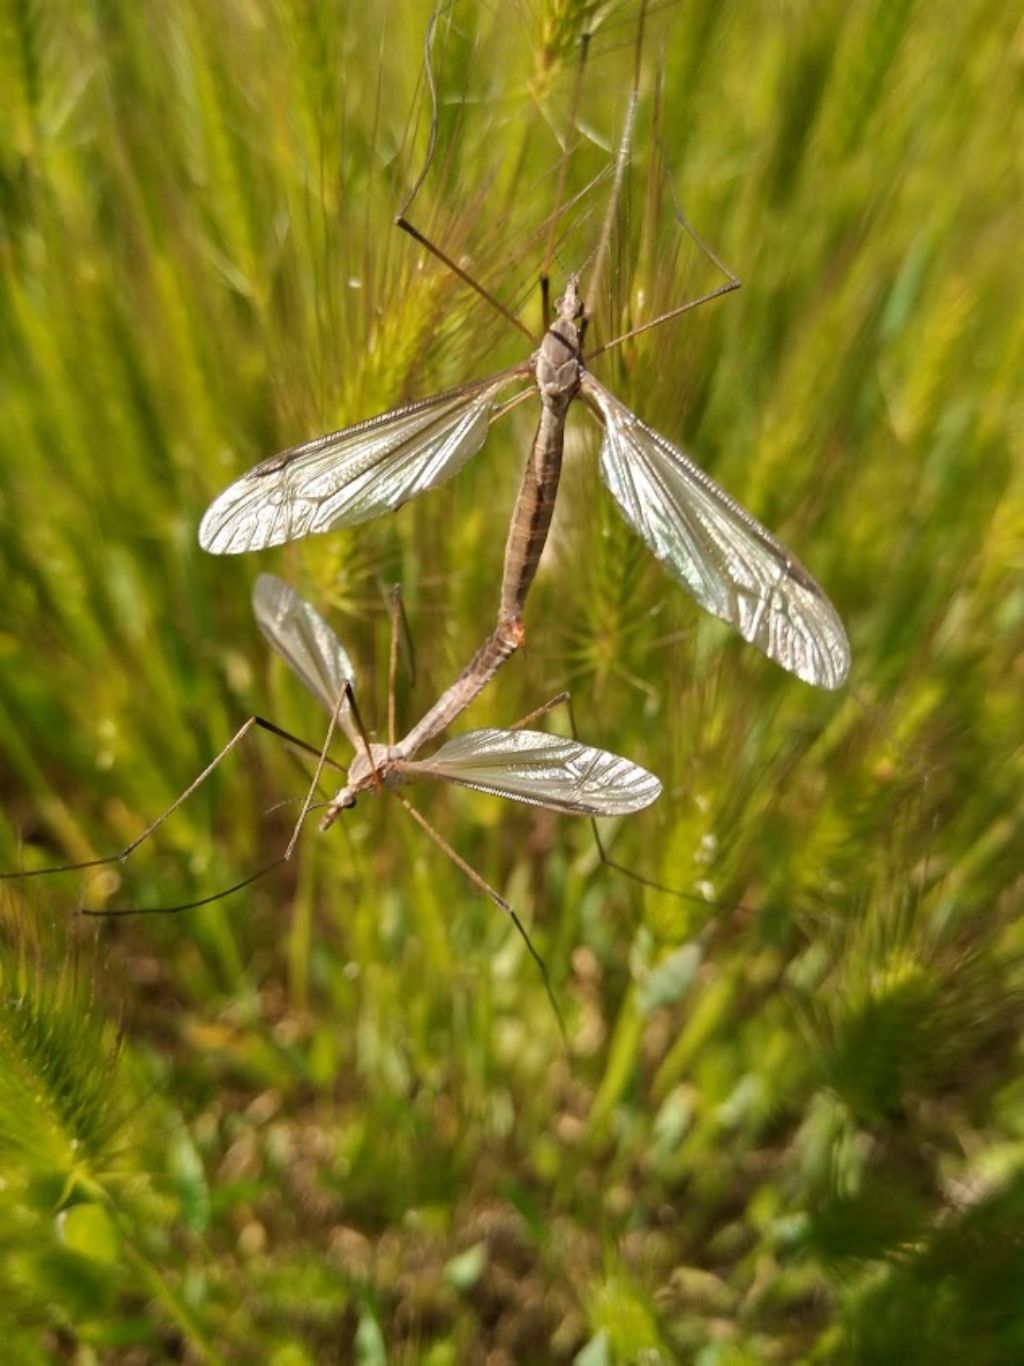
331,1118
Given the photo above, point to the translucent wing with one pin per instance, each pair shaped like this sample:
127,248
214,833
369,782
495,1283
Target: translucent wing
733,566
303,639
355,474
545,770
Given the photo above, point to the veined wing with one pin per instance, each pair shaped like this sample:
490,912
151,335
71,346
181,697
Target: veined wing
544,770
355,474
732,565
304,641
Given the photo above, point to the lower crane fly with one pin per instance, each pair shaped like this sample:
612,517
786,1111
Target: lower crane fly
519,764
529,766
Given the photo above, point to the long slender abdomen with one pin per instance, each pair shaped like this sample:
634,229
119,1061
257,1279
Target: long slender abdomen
534,507
531,519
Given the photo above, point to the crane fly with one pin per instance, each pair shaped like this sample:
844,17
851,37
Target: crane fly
522,765
732,565
529,766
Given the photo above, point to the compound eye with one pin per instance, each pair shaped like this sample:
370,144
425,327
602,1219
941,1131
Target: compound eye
349,804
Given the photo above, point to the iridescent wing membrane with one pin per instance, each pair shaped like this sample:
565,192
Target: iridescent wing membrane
307,644
545,770
732,565
354,474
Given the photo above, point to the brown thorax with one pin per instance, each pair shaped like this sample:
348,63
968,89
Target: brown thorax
558,362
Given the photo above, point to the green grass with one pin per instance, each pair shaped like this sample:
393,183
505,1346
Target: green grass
331,1117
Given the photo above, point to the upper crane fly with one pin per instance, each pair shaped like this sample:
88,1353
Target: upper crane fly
733,566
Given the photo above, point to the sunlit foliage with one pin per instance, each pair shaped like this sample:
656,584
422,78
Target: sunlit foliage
331,1117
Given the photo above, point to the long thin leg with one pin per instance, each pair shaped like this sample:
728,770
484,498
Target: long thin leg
733,281
661,886
727,288
601,252
563,172
357,717
150,829
294,801
322,761
602,852
463,275
496,897
695,236
542,710
621,162
302,744
566,698
343,696
402,221
631,873
395,606
431,80
117,911
546,223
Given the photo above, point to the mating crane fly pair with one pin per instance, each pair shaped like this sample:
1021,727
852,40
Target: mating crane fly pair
729,562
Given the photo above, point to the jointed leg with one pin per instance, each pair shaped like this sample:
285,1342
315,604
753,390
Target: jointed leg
398,623
185,905
242,731
496,897
664,317
566,698
345,695
543,710
150,829
364,736
549,250
322,762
